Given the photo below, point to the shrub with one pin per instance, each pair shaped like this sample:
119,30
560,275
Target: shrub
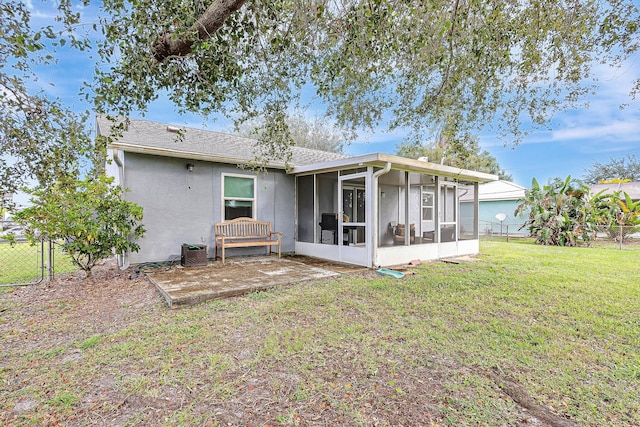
89,216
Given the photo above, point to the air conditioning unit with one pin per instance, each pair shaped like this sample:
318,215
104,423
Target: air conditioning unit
193,255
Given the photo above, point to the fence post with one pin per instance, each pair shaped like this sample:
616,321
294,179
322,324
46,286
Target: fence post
621,234
49,261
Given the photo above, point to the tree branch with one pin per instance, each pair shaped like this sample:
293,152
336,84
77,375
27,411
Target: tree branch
452,29
212,19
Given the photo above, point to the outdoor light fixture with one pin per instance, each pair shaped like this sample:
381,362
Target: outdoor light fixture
190,167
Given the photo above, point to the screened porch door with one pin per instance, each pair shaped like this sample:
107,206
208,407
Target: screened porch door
353,221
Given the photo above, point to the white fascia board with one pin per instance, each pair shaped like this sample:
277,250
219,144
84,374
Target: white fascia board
187,155
338,164
397,162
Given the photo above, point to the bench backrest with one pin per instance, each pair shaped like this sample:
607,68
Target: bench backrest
243,228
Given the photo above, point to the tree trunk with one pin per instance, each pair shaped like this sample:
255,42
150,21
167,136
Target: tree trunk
210,22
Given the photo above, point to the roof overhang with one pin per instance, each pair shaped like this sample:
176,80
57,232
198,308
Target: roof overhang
375,160
397,163
186,154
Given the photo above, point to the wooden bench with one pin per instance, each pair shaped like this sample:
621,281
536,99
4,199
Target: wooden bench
245,232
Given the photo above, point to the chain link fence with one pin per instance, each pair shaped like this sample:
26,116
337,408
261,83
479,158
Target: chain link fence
22,263
25,263
504,230
620,235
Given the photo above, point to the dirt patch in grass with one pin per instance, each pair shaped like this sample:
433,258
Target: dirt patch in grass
101,303
519,395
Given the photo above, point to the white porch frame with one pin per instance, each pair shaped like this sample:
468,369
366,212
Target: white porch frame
371,254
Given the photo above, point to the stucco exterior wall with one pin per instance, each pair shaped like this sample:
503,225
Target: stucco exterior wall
180,206
489,210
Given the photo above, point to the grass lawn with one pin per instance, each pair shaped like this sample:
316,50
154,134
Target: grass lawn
22,263
464,344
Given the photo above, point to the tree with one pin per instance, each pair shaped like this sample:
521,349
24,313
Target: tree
559,213
621,168
316,133
462,152
392,63
40,138
89,216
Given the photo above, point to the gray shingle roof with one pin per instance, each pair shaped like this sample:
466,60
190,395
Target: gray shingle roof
162,139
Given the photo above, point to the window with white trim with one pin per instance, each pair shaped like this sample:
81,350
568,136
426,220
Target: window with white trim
427,205
239,196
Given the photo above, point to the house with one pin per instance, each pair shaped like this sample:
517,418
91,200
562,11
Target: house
496,198
187,179
5,201
6,220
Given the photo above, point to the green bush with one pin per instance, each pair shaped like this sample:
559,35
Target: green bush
89,216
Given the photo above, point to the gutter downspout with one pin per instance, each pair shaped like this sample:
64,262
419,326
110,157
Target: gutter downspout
122,259
376,202
116,157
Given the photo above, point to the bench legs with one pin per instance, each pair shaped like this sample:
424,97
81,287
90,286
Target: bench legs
216,253
222,250
269,249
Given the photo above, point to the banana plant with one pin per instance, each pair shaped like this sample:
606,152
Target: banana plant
619,214
559,213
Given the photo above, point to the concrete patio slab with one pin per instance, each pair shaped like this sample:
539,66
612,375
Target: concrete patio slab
183,286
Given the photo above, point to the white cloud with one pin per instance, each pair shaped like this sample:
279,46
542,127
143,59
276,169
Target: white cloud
615,130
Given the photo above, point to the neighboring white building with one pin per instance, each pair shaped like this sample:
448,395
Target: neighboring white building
631,188
4,213
6,197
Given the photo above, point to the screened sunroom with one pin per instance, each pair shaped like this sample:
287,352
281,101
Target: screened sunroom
382,210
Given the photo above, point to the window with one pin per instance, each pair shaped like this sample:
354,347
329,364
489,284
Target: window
427,205
239,196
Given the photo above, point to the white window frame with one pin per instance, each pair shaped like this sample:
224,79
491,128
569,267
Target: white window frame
427,190
254,205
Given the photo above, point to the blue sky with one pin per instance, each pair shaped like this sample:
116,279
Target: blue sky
576,139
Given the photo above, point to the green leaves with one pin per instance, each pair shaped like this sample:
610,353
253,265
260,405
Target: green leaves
560,213
414,65
619,214
386,63
40,138
460,151
89,216
616,169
